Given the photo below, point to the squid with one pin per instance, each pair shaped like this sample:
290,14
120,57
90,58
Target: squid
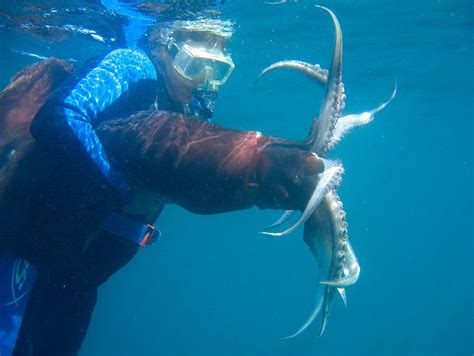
325,226
49,210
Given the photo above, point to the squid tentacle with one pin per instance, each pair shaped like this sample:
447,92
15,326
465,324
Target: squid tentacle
343,124
328,297
346,267
324,217
346,281
281,220
326,236
330,179
343,295
312,70
323,214
347,123
334,98
320,297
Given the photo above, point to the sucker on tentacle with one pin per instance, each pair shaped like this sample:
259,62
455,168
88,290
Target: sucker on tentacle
345,281
334,98
344,124
326,235
312,70
347,268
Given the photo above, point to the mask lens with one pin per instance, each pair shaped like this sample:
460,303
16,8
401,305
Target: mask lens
196,63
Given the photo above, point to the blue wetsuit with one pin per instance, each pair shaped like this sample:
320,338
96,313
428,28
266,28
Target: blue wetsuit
66,123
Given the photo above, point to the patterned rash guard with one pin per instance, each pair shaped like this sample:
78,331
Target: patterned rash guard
66,123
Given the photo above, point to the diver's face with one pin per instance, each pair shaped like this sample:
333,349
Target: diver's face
189,66
180,89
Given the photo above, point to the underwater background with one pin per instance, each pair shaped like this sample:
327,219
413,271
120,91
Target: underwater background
213,286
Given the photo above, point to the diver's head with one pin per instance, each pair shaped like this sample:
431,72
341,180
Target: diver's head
192,57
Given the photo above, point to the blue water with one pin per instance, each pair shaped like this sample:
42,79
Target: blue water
213,286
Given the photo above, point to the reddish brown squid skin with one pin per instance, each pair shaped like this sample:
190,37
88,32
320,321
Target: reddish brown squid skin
48,208
210,169
27,92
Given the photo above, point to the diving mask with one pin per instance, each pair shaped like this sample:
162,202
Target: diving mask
209,66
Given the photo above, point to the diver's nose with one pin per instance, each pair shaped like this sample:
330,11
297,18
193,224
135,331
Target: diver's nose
207,72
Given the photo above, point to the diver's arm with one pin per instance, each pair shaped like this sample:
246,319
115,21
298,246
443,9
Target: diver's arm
68,124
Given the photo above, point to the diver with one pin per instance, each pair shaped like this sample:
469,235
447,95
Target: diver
179,67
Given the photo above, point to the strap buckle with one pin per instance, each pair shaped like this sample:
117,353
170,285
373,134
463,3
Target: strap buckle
150,236
128,229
